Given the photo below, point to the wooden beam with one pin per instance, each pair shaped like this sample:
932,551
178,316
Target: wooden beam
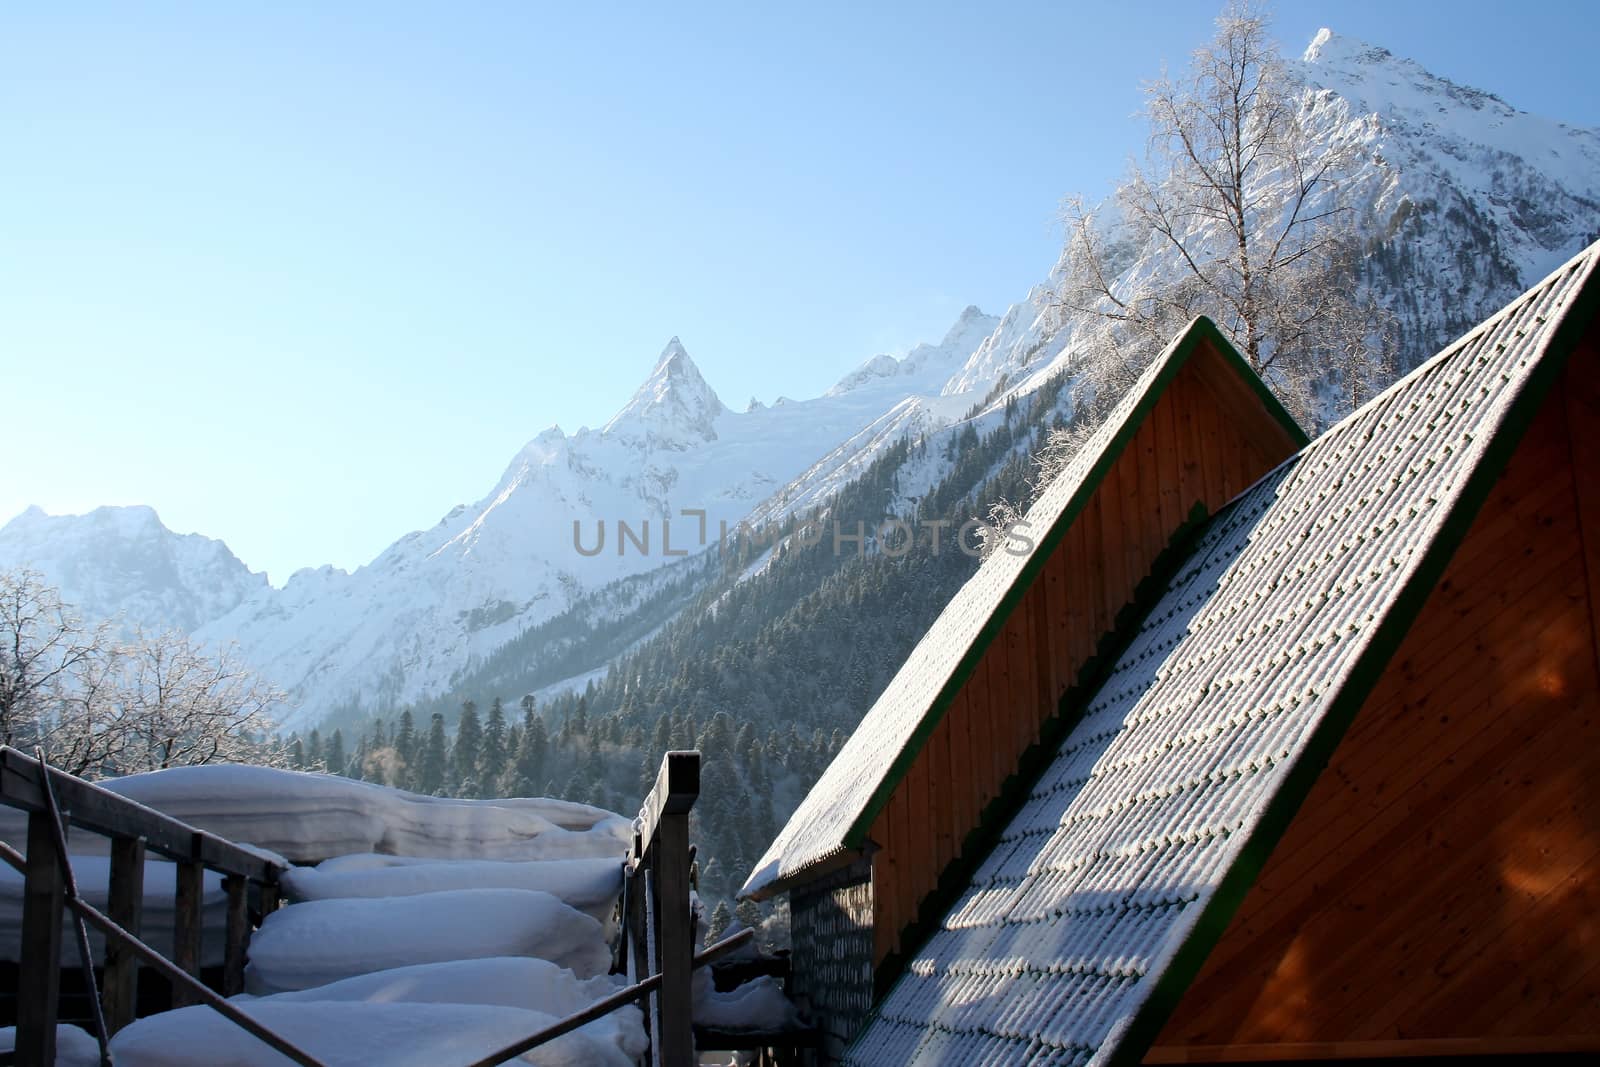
677,786
39,976
113,815
126,909
187,926
238,934
271,896
674,1021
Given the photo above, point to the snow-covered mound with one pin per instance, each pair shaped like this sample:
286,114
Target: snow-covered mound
355,1034
759,1005
307,818
94,878
74,1047
589,885
322,941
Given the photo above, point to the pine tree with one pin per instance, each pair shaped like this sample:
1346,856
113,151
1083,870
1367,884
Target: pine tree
405,746
492,756
335,755
528,766
576,788
434,764
469,742
314,751
297,753
720,920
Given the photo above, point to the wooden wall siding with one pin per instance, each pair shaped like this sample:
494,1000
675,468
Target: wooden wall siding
1442,879
1201,443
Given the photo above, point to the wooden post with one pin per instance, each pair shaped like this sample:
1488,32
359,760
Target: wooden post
271,895
664,832
675,941
39,977
238,937
188,918
126,909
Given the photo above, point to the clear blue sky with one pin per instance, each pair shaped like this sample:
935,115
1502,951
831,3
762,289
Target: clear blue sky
304,276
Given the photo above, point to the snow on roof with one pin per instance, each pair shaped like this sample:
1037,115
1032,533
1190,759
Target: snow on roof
835,815
1077,934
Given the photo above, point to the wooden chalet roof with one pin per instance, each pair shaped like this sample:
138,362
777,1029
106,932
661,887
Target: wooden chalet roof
832,822
1079,932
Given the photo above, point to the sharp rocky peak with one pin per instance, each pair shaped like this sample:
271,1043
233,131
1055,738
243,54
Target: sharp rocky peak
673,408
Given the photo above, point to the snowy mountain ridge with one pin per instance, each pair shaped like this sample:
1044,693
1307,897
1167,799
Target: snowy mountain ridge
123,562
1463,200
546,534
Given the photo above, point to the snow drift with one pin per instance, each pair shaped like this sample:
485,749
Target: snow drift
589,885
322,941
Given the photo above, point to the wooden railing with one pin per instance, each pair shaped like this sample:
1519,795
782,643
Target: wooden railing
656,949
55,800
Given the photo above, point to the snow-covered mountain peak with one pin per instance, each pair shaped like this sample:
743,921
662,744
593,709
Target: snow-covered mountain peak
122,562
1350,61
674,408
925,367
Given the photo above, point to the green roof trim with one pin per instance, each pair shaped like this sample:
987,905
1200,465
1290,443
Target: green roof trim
1170,362
1215,915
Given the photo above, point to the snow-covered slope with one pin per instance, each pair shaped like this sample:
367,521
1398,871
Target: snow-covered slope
122,562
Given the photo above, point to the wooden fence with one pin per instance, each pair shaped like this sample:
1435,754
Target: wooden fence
656,950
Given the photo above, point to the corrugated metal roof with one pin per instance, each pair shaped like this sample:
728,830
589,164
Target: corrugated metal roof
834,816
1080,930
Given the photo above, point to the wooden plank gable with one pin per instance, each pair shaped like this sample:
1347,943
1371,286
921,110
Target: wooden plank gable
1437,892
1162,478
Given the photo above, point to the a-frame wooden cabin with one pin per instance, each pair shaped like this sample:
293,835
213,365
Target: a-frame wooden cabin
1328,794
900,812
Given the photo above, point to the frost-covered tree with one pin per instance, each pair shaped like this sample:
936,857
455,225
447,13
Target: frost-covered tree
174,703
721,919
45,649
1243,199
